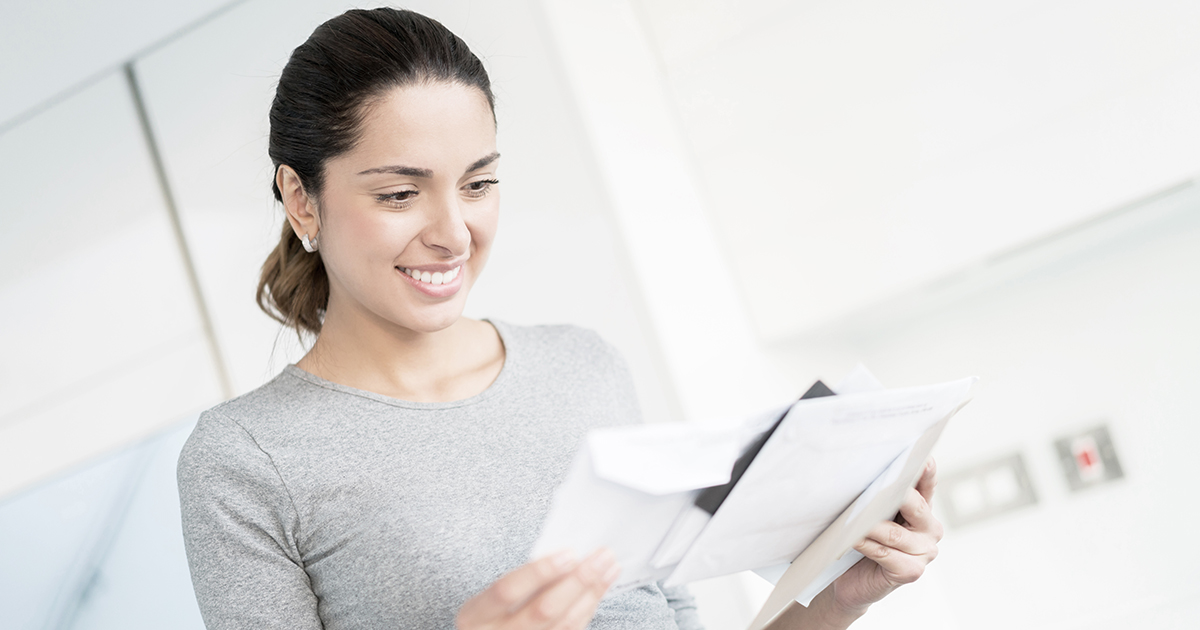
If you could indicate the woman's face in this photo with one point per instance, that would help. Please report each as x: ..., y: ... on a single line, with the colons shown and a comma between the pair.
x: 407, y: 217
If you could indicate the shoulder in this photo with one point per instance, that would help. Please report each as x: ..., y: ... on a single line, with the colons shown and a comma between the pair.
x: 228, y: 437
x: 566, y: 346
x: 218, y: 447
x: 554, y: 337
x: 232, y: 497
x: 573, y: 364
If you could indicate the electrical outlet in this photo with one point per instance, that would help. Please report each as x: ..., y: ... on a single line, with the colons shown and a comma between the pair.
x: 986, y: 490
x: 1088, y: 458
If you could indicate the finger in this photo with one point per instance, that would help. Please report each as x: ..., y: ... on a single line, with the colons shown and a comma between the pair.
x: 548, y: 607
x: 898, y: 567
x: 928, y: 480
x: 516, y: 587
x: 581, y: 613
x: 918, y: 515
x: 902, y: 539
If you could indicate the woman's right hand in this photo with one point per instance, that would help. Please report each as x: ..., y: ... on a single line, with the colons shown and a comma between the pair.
x: 553, y: 593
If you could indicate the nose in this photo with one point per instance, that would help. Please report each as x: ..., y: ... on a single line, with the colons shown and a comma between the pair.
x: 446, y: 231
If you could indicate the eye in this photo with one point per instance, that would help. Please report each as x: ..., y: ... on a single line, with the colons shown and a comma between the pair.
x: 399, y: 199
x: 480, y: 187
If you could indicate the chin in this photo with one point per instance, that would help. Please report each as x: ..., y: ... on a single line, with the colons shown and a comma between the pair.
x: 430, y: 322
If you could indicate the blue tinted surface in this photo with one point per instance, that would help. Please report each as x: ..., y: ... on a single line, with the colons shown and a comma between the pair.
x: 100, y: 547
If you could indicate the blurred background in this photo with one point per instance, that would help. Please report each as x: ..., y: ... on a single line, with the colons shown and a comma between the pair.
x: 743, y: 196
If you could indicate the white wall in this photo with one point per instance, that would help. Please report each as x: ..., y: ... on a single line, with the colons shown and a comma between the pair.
x: 102, y: 341
x: 1097, y: 326
x: 691, y: 298
x: 51, y: 49
x: 850, y: 151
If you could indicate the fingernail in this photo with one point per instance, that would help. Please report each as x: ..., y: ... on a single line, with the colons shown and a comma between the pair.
x: 563, y: 559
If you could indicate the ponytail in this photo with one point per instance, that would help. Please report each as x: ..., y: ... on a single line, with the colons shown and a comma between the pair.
x: 293, y: 288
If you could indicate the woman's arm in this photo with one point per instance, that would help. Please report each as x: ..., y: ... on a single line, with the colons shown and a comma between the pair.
x: 238, y: 529
x: 896, y: 553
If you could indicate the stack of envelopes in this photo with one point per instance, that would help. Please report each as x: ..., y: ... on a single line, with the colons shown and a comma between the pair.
x: 787, y: 493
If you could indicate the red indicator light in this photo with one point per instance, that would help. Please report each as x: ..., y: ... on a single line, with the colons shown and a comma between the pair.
x: 1087, y: 458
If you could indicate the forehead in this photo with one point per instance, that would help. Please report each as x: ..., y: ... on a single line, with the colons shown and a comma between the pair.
x: 429, y: 125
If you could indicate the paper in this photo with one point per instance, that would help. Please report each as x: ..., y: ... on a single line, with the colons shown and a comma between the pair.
x: 824, y: 454
x: 850, y: 557
x: 851, y: 526
x: 858, y: 381
x: 629, y: 485
x: 633, y: 489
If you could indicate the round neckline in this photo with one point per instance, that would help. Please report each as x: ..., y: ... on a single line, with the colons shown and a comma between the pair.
x: 497, y: 386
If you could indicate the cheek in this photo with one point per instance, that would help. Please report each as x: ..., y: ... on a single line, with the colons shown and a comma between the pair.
x: 482, y: 226
x: 368, y: 241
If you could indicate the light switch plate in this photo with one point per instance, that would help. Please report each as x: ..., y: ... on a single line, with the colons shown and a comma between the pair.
x: 986, y: 490
x: 1088, y: 458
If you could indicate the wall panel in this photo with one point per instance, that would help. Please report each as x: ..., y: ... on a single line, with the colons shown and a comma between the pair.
x: 101, y: 335
x: 51, y: 48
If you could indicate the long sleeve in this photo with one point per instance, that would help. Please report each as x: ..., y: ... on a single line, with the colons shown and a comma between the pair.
x: 681, y: 601
x: 239, y: 526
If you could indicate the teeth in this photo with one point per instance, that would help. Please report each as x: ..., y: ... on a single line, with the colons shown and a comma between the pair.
x: 433, y: 278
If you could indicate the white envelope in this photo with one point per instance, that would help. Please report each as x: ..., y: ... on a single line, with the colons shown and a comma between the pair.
x: 824, y: 454
x: 628, y: 485
x: 632, y: 489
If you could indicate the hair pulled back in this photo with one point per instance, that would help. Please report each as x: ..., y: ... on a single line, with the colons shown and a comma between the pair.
x: 324, y: 92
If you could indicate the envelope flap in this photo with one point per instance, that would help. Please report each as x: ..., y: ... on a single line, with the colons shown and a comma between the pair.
x: 666, y: 458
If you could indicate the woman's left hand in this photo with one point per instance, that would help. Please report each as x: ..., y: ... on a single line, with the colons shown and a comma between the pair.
x: 896, y: 552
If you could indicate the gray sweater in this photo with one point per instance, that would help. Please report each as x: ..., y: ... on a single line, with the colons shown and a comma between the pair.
x: 309, y: 504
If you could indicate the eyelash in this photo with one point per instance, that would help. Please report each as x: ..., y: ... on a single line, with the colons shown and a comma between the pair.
x: 395, y: 199
x: 403, y: 197
x: 479, y: 192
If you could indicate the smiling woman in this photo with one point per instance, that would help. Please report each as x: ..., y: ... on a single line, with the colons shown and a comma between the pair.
x: 396, y: 475
x: 349, y: 72
x: 405, y: 222
x: 417, y: 196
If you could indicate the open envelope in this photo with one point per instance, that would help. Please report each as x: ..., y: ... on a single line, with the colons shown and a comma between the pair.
x: 628, y: 485
x: 633, y: 489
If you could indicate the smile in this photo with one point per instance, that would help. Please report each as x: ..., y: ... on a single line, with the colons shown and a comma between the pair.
x: 434, y: 278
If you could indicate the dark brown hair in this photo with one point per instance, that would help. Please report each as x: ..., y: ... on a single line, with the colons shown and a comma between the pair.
x: 324, y: 92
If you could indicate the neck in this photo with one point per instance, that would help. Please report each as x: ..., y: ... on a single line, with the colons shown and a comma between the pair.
x: 363, y: 351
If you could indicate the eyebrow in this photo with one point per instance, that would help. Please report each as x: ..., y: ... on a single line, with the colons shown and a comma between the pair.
x: 483, y: 161
x: 412, y: 171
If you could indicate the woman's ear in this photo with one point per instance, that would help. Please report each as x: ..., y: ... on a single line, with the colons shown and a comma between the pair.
x: 301, y: 209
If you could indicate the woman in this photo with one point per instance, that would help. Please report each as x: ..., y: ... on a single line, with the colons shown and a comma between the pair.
x: 397, y: 474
